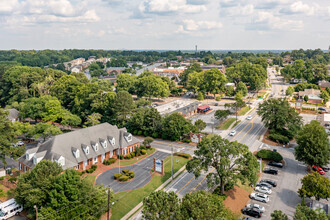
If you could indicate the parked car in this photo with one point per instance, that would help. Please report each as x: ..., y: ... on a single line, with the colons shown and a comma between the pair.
x: 321, y: 109
x: 264, y: 184
x: 251, y: 212
x: 20, y: 143
x: 259, y: 197
x: 275, y: 164
x: 256, y: 206
x: 263, y: 189
x: 326, y: 168
x: 249, y: 117
x: 232, y: 133
x: 271, y: 171
x: 271, y: 182
x: 318, y: 169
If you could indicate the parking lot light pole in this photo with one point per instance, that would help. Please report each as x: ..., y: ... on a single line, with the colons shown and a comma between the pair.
x: 260, y: 164
x: 172, y: 160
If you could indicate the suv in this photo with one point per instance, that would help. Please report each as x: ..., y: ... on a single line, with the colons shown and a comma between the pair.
x: 318, y: 169
x: 321, y: 109
x: 275, y: 164
x: 271, y: 182
x: 232, y: 133
x: 261, y: 183
x: 251, y: 212
x: 259, y: 197
x: 271, y: 171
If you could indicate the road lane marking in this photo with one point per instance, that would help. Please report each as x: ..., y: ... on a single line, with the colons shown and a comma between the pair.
x: 201, y: 181
x: 185, y: 185
x: 245, y: 126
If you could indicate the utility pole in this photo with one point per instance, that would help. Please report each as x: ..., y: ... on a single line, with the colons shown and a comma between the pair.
x: 172, y: 160
x: 36, y: 211
x: 260, y: 164
x: 109, y: 197
x: 119, y: 158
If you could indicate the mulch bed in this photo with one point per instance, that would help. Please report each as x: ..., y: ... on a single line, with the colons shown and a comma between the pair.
x: 236, y: 199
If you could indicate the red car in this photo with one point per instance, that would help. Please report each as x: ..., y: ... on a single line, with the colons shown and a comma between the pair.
x: 318, y: 169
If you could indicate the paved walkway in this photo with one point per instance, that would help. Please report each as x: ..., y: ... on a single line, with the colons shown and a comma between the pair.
x: 142, y: 174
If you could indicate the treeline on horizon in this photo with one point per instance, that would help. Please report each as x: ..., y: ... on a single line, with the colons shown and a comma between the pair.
x: 41, y: 58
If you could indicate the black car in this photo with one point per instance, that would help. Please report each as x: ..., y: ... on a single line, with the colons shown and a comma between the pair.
x: 275, y: 164
x: 325, y: 168
x: 251, y: 212
x: 271, y: 182
x: 264, y: 184
x: 271, y: 171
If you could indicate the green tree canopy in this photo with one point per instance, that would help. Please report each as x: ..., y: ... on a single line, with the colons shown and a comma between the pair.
x: 278, y: 215
x: 124, y: 106
x: 200, y: 125
x: 7, y: 134
x: 278, y: 115
x: 231, y: 161
x: 315, y: 185
x: 313, y: 145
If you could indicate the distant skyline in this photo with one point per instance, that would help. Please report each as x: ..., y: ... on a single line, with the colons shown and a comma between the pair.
x: 165, y: 24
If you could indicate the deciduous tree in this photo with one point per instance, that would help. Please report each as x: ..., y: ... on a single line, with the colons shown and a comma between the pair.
x: 315, y: 185
x: 231, y: 161
x: 200, y: 124
x: 313, y: 145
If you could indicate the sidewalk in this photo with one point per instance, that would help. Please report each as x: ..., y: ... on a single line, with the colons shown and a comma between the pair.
x: 135, y: 210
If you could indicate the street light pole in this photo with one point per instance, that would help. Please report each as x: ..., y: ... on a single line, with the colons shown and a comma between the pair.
x: 108, y: 214
x: 36, y: 208
x: 260, y: 164
x: 172, y: 160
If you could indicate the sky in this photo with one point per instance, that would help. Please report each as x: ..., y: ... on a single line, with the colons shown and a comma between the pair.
x: 164, y: 24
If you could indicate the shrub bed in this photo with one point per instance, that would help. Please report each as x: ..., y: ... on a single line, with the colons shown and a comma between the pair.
x: 109, y: 161
x: 124, y: 176
x: 143, y: 152
x: 269, y: 155
x: 184, y: 155
x: 92, y: 169
x: 278, y: 138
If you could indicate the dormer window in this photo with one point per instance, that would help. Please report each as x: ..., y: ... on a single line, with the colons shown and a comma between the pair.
x: 111, y: 140
x: 76, y: 152
x: 61, y: 161
x: 104, y: 144
x: 34, y: 160
x: 85, y: 149
x: 96, y: 146
x: 128, y: 137
x: 27, y: 156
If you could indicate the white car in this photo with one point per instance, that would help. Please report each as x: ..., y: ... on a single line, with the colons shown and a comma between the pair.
x: 249, y: 117
x: 256, y: 206
x: 232, y: 133
x: 20, y: 143
x: 263, y: 189
x: 259, y: 197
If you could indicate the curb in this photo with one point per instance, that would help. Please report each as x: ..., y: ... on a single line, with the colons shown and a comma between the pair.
x: 135, y: 210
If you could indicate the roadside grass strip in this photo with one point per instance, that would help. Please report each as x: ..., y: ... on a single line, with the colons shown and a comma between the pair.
x: 243, y: 110
x: 226, y: 124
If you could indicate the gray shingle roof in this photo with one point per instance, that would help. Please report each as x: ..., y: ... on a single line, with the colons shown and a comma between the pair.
x: 65, y: 144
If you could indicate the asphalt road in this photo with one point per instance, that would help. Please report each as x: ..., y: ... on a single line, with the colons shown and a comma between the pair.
x: 142, y: 174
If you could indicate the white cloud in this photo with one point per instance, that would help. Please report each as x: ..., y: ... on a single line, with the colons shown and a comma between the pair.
x: 191, y: 25
x: 237, y: 10
x: 299, y: 8
x: 61, y: 7
x: 7, y: 6
x: 170, y: 6
x: 265, y: 21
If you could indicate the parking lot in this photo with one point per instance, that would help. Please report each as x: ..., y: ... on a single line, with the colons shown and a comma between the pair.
x: 284, y: 196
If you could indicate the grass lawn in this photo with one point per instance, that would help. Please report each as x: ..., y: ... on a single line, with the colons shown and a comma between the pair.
x: 226, y: 124
x: 90, y: 179
x: 131, y: 161
x: 236, y: 123
x: 245, y: 186
x: 244, y: 110
x: 261, y: 95
x: 128, y: 200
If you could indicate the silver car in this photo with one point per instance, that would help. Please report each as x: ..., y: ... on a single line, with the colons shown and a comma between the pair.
x: 259, y: 197
x: 256, y: 206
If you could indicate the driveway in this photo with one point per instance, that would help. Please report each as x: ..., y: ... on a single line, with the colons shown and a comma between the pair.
x: 142, y: 174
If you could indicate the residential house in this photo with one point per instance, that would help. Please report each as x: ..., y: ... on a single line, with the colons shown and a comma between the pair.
x: 77, y: 69
x: 324, y: 84
x: 222, y: 68
x: 314, y: 95
x: 168, y: 72
x: 82, y: 148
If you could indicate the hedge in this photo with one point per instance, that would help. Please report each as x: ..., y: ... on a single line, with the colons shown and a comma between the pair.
x: 125, y: 171
x: 269, y: 155
x: 131, y: 174
x: 279, y: 138
x: 117, y: 175
x: 109, y: 161
x: 143, y: 152
x: 125, y: 175
x: 123, y: 178
x: 184, y: 155
x: 128, y: 156
x: 92, y: 169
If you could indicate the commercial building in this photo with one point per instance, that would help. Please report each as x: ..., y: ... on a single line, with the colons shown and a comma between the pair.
x: 82, y: 148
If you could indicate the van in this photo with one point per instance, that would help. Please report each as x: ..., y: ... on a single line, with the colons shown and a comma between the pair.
x: 9, y: 208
